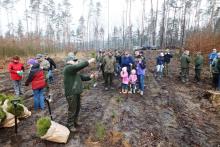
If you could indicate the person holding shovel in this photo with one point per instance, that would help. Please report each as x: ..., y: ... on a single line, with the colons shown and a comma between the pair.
x: 73, y: 87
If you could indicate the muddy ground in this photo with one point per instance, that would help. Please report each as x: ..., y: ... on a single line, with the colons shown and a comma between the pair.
x: 169, y: 114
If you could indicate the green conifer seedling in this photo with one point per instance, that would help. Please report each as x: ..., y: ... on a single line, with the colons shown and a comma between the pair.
x: 43, y: 124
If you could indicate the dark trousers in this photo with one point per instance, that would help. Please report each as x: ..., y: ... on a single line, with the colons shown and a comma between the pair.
x: 73, y: 109
x: 184, y: 74
x: 103, y: 73
x: 108, y: 79
x: 215, y: 79
x: 198, y: 74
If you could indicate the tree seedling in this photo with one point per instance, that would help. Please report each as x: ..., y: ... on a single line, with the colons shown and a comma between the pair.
x: 43, y: 124
x: 100, y: 131
x: 119, y: 99
x: 2, y: 115
x: 113, y: 114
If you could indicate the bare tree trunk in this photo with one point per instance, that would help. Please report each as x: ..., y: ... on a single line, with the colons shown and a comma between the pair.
x: 26, y: 17
x: 155, y: 26
x: 108, y: 24
x: 173, y: 25
x: 123, y: 30
x: 151, y: 23
x: 142, y: 23
x: 130, y: 28
x: 0, y: 19
x: 213, y: 3
x: 183, y: 25
x: 162, y: 26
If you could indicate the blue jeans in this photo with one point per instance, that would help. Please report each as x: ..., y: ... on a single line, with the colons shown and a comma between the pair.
x: 141, y: 82
x: 124, y: 86
x: 38, y: 99
x: 117, y: 68
x: 17, y: 87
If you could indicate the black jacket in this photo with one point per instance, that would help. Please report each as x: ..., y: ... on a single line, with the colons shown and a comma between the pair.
x: 52, y: 63
x: 167, y: 58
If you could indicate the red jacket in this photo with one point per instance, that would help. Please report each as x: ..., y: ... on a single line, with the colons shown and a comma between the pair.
x: 38, y: 81
x: 36, y: 77
x: 13, y: 68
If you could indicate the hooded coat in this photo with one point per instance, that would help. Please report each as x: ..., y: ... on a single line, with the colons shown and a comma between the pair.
x: 73, y: 79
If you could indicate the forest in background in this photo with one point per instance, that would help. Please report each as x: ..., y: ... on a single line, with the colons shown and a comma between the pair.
x: 47, y: 26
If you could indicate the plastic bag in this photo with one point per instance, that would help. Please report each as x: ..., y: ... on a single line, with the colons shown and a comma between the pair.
x: 57, y: 133
x: 26, y: 112
x: 9, y: 121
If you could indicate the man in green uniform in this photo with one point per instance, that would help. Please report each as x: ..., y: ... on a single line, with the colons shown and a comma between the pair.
x: 185, y: 61
x: 73, y: 87
x: 198, y: 66
x: 109, y: 62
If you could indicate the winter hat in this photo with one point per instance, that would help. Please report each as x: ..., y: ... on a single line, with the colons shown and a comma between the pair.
x: 15, y: 59
x: 31, y: 61
x: 214, y: 50
x: 39, y: 56
x: 133, y: 71
x: 71, y: 54
x: 186, y: 52
x: 70, y: 57
x: 124, y: 69
x: 167, y: 50
x: 161, y: 54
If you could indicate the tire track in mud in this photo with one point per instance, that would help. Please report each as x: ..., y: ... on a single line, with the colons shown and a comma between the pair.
x: 194, y: 128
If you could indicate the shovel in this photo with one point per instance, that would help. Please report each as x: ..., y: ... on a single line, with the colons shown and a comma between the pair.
x: 15, y: 104
x: 48, y: 100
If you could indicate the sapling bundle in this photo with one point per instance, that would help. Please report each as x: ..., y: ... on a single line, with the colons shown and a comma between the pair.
x: 43, y: 124
x: 19, y: 109
x: 2, y: 115
x: 52, y: 131
x: 3, y: 97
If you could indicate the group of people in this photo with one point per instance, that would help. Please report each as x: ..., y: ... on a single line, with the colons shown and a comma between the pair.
x: 39, y: 75
x: 130, y: 69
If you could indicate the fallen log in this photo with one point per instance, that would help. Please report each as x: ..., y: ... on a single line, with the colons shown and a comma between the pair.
x: 214, y: 97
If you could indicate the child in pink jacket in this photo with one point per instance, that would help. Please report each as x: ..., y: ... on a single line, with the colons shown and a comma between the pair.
x: 132, y: 81
x: 125, y: 80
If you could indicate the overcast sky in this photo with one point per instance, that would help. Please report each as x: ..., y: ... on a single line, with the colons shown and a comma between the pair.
x: 116, y: 8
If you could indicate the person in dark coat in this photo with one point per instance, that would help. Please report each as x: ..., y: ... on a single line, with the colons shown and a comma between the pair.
x: 167, y: 58
x: 73, y: 88
x: 109, y: 62
x: 37, y: 79
x: 160, y: 65
x: 198, y: 66
x: 118, y: 63
x: 50, y: 69
x: 184, y: 63
x: 127, y: 61
x: 216, y: 72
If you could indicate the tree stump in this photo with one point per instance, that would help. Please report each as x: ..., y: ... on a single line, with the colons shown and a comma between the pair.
x: 214, y: 97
